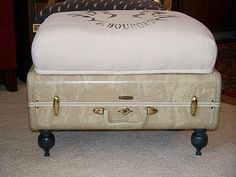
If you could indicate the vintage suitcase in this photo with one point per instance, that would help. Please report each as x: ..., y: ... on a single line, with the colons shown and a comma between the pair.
x: 111, y: 102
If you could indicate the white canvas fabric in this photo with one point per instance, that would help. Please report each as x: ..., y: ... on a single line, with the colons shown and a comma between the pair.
x: 123, y: 42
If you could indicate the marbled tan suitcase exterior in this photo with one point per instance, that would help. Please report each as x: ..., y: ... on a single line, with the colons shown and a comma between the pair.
x: 108, y: 102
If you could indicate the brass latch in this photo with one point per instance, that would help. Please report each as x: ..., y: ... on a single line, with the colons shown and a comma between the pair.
x: 56, y: 105
x: 151, y: 110
x: 194, y: 105
x: 99, y: 110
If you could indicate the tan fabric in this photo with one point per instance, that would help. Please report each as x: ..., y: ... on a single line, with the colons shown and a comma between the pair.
x: 170, y: 94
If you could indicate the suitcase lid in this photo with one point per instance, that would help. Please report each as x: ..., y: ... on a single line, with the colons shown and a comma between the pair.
x: 167, y: 88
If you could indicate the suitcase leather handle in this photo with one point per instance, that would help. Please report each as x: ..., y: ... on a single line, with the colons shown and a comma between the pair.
x: 136, y: 125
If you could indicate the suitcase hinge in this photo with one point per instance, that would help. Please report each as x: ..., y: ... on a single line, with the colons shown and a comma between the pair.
x: 56, y: 105
x: 194, y: 105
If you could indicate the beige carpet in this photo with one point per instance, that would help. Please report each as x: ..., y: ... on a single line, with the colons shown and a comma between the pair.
x: 111, y: 154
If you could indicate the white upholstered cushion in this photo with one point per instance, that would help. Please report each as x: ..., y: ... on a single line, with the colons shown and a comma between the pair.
x: 123, y: 42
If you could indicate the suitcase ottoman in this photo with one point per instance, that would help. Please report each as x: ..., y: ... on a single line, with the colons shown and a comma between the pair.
x: 123, y: 70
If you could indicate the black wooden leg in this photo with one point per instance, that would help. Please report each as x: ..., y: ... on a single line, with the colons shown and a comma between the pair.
x: 46, y: 141
x: 199, y: 140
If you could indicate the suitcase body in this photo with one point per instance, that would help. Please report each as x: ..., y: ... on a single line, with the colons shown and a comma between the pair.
x: 108, y: 102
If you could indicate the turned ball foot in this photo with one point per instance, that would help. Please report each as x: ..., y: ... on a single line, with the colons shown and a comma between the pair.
x: 199, y: 140
x: 46, y: 141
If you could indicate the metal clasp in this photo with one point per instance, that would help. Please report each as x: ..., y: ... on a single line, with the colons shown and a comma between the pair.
x: 125, y: 111
x: 194, y: 105
x: 99, y: 110
x: 151, y: 110
x: 56, y: 105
